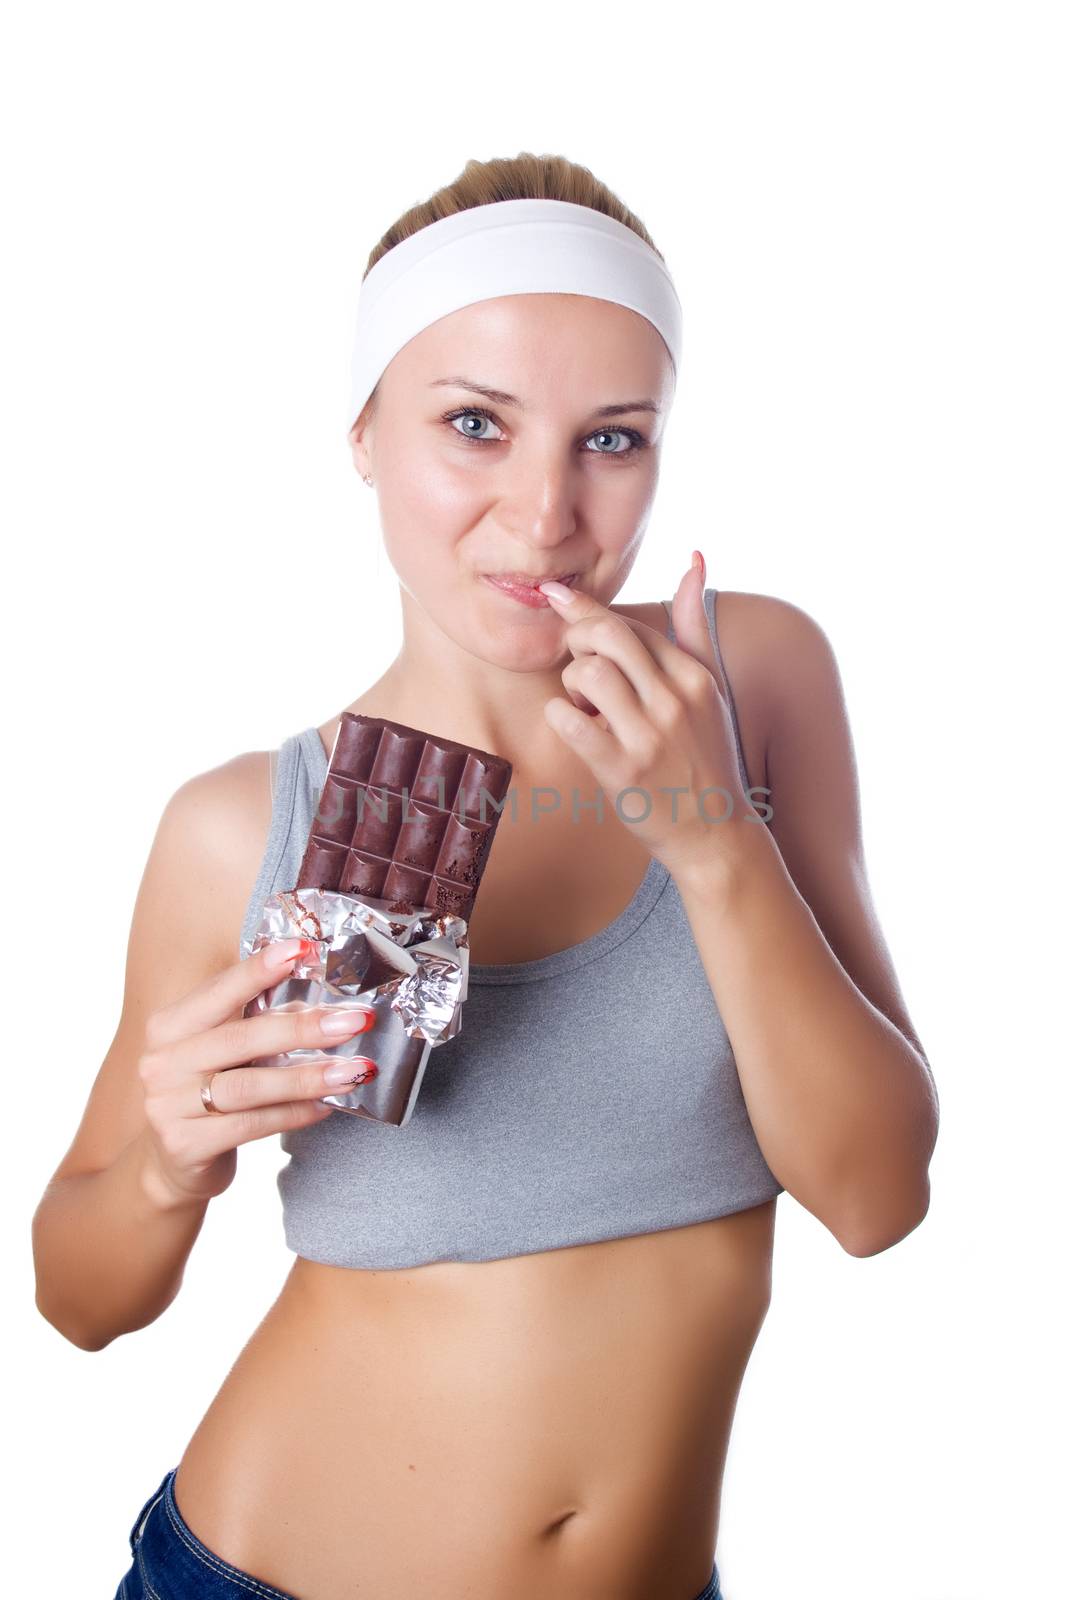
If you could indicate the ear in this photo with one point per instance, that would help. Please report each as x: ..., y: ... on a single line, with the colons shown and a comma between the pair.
x: 360, y: 438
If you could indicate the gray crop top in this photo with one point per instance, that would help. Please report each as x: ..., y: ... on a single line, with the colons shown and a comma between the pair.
x: 590, y: 1094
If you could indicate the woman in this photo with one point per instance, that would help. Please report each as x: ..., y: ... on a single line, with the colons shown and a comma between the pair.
x: 506, y: 1358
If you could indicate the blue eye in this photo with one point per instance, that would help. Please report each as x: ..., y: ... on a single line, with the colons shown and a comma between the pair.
x: 610, y: 433
x: 454, y: 416
x: 637, y: 442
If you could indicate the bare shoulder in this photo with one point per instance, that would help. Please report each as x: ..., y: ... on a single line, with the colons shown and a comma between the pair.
x: 227, y: 797
x: 763, y: 627
x: 782, y: 665
x: 217, y: 822
x: 768, y: 645
x: 202, y: 865
x: 185, y: 928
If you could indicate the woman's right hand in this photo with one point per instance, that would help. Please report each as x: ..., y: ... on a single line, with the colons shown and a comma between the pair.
x: 192, y: 1150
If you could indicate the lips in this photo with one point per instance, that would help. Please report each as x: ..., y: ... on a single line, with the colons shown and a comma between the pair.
x: 525, y: 580
x: 524, y: 589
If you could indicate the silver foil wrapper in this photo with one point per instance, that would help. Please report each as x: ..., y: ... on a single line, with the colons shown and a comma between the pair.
x: 410, y: 967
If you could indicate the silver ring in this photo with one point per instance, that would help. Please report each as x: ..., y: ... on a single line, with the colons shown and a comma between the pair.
x: 207, y: 1095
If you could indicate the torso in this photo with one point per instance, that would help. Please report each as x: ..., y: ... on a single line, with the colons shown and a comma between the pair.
x: 554, y: 1423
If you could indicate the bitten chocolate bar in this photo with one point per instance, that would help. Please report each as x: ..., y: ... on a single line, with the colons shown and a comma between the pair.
x: 404, y: 817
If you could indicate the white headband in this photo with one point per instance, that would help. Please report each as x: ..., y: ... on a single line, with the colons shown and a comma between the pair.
x: 508, y: 247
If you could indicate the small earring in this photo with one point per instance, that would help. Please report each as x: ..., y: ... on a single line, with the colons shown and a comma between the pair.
x: 368, y: 481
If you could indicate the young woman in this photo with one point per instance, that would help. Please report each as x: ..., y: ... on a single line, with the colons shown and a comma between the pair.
x: 506, y: 1358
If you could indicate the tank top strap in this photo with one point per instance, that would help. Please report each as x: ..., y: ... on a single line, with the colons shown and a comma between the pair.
x: 286, y: 772
x: 709, y: 610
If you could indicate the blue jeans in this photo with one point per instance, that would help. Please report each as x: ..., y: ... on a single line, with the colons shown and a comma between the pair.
x: 169, y: 1563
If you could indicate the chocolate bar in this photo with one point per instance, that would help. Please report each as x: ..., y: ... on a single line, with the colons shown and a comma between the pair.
x: 404, y: 817
x: 405, y: 823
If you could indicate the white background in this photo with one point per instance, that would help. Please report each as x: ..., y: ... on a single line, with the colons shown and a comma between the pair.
x: 868, y: 210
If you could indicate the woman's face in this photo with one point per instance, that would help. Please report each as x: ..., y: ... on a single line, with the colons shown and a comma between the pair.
x: 558, y: 480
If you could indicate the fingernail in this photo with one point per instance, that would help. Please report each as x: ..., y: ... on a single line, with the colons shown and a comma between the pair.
x: 286, y: 950
x: 556, y: 591
x: 346, y: 1019
x: 698, y: 563
x: 359, y: 1070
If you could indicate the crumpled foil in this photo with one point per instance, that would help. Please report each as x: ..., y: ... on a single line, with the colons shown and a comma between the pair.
x: 409, y: 966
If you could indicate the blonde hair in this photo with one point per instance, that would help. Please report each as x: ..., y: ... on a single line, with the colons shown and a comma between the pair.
x: 522, y: 177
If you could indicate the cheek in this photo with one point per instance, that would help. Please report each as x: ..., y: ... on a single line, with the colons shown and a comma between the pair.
x: 434, y: 484
x: 424, y: 546
x: 427, y: 507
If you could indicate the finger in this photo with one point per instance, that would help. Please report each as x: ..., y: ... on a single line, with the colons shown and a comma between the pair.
x: 226, y: 992
x: 644, y: 656
x: 583, y: 734
x: 602, y: 633
x: 274, y: 1032
x: 243, y: 1126
x: 691, y: 626
x: 227, y: 1131
x: 685, y: 674
x: 240, y: 1089
x: 605, y: 685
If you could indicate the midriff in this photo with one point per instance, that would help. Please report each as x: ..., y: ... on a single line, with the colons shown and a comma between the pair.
x: 553, y: 1424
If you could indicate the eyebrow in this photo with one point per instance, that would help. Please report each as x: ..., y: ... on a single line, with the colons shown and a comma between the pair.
x: 500, y: 397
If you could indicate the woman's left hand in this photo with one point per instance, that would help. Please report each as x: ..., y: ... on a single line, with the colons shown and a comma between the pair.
x: 668, y: 728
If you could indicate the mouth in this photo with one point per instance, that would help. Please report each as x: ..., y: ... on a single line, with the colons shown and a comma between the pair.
x: 526, y: 580
x: 523, y: 587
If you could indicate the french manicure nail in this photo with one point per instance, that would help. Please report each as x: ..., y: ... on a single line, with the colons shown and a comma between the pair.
x: 556, y: 591
x: 359, y: 1070
x: 281, y: 953
x: 345, y: 1019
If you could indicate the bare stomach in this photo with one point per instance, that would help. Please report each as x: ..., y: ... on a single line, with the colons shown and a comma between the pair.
x: 550, y: 1424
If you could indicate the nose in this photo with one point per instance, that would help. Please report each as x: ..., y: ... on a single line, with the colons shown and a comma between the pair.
x: 539, y: 503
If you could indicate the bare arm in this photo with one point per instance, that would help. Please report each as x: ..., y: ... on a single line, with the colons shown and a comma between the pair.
x: 117, y: 1222
x: 835, y: 1079
x: 110, y: 1248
